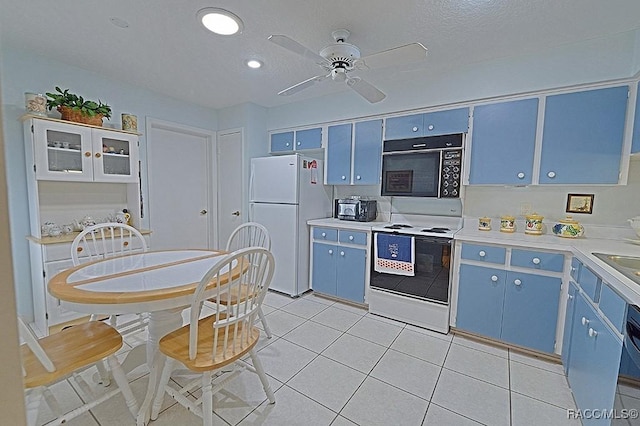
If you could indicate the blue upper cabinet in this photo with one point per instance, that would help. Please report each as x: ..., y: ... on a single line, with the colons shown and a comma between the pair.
x: 583, y: 136
x: 367, y: 152
x: 296, y: 140
x: 503, y: 143
x: 282, y: 142
x: 309, y: 139
x: 338, y: 154
x: 635, y: 147
x: 427, y: 124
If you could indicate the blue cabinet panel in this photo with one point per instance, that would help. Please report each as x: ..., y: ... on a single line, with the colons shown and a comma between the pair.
x: 575, y: 268
x: 446, y: 122
x: 531, y: 310
x: 367, y: 153
x: 328, y: 234
x: 537, y: 260
x: 309, y: 138
x: 582, y: 129
x: 339, y: 154
x: 350, y: 273
x: 323, y: 278
x: 589, y: 283
x: 568, y: 326
x: 480, y: 300
x: 282, y: 142
x: 352, y: 237
x: 594, y: 362
x: 483, y: 253
x: 635, y: 147
x: 408, y: 126
x: 503, y: 143
x: 613, y: 307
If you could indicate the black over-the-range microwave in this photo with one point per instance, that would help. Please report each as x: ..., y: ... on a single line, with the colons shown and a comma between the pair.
x: 423, y: 167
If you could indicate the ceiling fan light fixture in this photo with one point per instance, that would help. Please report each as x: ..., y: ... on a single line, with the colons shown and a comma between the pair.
x: 254, y: 63
x: 220, y: 21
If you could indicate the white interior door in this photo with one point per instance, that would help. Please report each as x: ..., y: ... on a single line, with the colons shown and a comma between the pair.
x: 179, y: 159
x: 230, y: 184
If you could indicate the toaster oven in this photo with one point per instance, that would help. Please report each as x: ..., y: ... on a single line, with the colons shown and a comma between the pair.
x: 356, y: 209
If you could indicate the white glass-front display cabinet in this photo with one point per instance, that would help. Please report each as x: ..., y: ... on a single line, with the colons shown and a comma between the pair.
x: 70, y: 152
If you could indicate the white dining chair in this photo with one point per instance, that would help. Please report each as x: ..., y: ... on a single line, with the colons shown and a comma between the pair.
x: 106, y: 240
x: 214, y: 346
x: 249, y: 234
x: 63, y: 355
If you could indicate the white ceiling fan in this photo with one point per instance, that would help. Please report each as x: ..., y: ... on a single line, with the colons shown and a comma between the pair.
x: 340, y: 58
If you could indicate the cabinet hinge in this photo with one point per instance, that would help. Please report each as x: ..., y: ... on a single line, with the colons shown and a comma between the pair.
x: 32, y: 128
x: 44, y: 274
x: 555, y: 346
x: 34, y: 168
x: 46, y: 315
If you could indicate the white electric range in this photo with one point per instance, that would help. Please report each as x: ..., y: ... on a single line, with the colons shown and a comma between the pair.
x: 420, y: 296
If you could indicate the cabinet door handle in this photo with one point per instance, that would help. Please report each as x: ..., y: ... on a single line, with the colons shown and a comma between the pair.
x: 570, y: 296
x: 79, y: 249
x: 299, y: 143
x: 358, y: 177
x: 494, y: 278
x: 482, y: 253
x: 430, y: 127
x: 126, y: 243
x: 324, y: 234
x: 350, y: 237
x: 98, y: 155
x: 287, y: 144
x: 517, y: 282
x: 330, y: 251
x: 87, y: 154
x: 341, y: 253
x: 551, y: 174
x: 520, y: 175
x: 585, y: 321
x: 536, y: 261
x: 592, y: 332
x: 343, y: 177
x: 414, y: 129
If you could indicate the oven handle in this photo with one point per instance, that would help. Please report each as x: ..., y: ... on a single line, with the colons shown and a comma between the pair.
x: 435, y: 240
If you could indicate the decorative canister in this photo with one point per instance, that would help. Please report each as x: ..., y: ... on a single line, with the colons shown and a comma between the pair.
x: 507, y: 223
x: 568, y: 228
x: 35, y: 103
x: 129, y: 122
x: 533, y: 224
x: 484, y: 223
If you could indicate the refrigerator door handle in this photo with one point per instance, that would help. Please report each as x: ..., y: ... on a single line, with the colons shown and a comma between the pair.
x: 251, y: 182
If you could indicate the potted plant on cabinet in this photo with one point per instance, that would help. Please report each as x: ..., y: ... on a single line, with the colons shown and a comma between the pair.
x: 75, y: 108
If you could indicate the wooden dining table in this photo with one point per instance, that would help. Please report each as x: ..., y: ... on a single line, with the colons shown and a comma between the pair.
x: 160, y: 283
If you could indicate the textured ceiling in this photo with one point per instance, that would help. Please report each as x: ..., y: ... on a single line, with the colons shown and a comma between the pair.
x: 166, y: 51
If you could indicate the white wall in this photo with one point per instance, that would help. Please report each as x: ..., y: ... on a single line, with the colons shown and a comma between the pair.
x: 21, y: 72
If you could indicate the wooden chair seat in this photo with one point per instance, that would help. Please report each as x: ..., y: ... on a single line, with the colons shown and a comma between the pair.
x: 234, y: 296
x: 176, y: 345
x: 67, y: 355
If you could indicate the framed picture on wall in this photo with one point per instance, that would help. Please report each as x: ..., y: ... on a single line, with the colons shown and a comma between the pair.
x: 580, y: 203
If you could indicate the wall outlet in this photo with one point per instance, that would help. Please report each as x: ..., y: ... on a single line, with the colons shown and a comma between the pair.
x: 525, y: 209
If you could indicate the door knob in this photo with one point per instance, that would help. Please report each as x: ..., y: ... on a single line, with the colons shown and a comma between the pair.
x: 236, y: 213
x: 203, y: 212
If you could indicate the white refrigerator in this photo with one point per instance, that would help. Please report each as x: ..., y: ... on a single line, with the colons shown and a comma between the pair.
x: 285, y: 192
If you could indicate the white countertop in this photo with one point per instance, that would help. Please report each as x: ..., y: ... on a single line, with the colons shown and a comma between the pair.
x: 582, y: 247
x: 344, y: 224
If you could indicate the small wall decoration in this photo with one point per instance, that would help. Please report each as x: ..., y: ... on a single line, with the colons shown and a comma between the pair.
x: 580, y: 203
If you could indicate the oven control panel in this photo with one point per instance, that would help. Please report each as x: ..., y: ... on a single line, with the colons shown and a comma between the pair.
x: 450, y: 174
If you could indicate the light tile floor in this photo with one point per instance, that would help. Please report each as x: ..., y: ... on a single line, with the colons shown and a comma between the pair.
x: 334, y: 364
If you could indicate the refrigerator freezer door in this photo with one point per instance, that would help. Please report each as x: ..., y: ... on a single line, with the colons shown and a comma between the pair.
x: 281, y: 220
x: 275, y: 179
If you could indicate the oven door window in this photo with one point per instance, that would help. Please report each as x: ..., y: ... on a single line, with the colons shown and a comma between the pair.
x: 431, y: 280
x: 414, y: 174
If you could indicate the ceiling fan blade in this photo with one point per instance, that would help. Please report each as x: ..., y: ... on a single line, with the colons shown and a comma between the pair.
x: 366, y: 89
x: 296, y: 47
x: 413, y: 52
x: 303, y: 85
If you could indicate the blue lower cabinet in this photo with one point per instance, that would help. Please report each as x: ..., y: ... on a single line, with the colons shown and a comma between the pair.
x: 350, y: 273
x: 480, y: 300
x: 511, y: 306
x: 531, y: 310
x: 594, y: 362
x: 568, y: 326
x: 323, y: 279
x: 339, y: 270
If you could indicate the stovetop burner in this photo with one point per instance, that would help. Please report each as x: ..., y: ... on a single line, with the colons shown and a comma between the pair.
x: 398, y: 226
x: 437, y: 230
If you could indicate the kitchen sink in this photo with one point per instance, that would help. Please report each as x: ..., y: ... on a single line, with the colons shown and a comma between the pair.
x: 628, y: 266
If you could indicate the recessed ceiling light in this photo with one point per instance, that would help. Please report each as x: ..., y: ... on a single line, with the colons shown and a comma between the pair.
x: 254, y: 63
x: 120, y: 23
x: 220, y: 21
